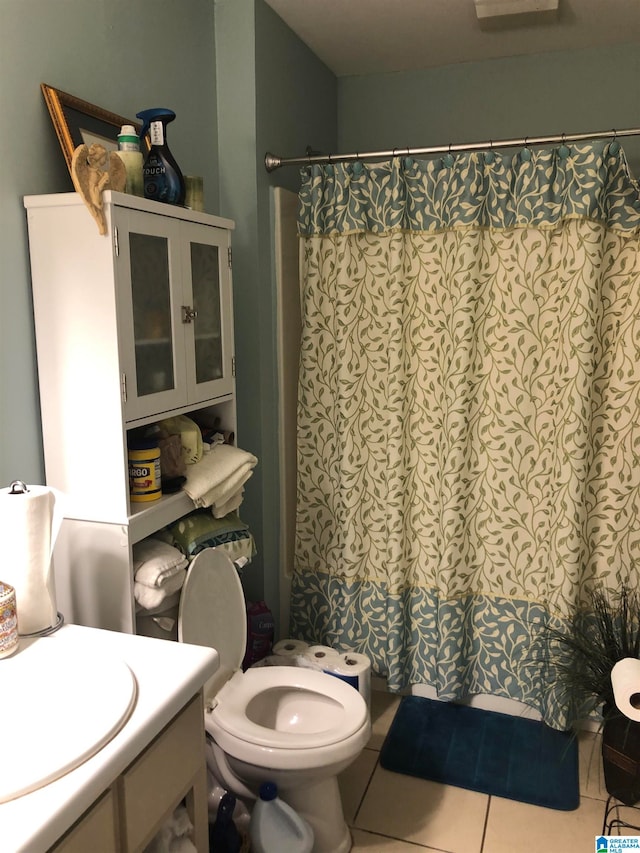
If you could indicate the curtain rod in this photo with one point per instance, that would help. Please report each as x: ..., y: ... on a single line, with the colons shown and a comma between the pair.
x: 273, y: 162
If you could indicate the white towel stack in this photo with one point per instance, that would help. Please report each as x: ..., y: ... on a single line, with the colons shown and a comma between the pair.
x: 218, y: 479
x: 159, y: 570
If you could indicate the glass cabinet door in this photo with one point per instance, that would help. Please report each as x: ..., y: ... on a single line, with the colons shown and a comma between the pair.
x: 205, y: 281
x: 209, y: 344
x: 152, y: 322
x: 152, y: 350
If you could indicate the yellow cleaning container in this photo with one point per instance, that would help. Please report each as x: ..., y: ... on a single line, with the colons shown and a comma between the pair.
x: 145, y: 483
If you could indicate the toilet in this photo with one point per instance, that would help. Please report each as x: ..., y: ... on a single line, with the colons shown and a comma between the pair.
x: 293, y: 726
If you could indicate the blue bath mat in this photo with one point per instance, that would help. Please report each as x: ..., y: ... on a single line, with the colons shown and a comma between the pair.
x: 484, y: 751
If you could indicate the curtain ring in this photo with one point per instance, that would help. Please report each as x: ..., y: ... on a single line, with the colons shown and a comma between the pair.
x: 563, y: 151
x: 614, y: 147
x: 448, y: 160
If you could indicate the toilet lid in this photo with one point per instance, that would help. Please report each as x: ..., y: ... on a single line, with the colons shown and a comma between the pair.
x: 212, y: 612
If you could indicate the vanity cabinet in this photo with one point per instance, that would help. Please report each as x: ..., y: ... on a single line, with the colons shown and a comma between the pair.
x: 132, y: 326
x: 128, y: 815
x: 97, y: 829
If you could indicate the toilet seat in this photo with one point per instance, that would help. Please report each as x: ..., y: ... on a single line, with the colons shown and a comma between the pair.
x: 335, y: 709
x: 212, y: 613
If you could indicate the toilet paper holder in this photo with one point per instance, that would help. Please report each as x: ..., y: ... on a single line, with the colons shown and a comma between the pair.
x: 45, y: 631
x: 18, y: 487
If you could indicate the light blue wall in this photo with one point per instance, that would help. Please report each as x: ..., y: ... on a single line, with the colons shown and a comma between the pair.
x: 273, y: 93
x: 550, y: 93
x: 292, y: 110
x: 123, y: 56
x: 296, y: 98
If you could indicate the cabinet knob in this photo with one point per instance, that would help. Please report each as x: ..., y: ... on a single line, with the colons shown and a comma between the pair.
x: 188, y: 314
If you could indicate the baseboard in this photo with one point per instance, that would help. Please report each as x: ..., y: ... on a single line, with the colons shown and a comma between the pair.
x: 500, y: 704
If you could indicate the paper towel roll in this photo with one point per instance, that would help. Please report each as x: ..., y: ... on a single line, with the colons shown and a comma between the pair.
x: 625, y: 680
x: 289, y: 648
x: 355, y: 669
x: 29, y: 525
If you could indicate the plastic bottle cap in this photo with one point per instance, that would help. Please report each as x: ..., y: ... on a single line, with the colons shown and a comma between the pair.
x: 128, y: 138
x: 268, y: 791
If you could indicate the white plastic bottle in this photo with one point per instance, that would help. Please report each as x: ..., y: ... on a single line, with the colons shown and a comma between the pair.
x: 275, y: 827
x: 130, y: 154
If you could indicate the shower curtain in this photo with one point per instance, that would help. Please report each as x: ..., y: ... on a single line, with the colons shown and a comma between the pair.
x: 469, y: 409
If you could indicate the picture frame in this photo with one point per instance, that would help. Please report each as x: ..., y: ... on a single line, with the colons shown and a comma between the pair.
x: 76, y: 122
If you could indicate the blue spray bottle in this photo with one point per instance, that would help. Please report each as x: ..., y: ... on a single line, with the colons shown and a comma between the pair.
x: 162, y: 177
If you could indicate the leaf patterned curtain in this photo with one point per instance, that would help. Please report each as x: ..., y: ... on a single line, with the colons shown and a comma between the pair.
x: 469, y: 409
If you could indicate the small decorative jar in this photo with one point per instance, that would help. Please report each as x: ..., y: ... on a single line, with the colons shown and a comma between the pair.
x: 8, y: 620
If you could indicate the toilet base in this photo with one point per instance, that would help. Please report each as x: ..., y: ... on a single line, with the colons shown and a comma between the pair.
x: 320, y: 805
x: 317, y: 801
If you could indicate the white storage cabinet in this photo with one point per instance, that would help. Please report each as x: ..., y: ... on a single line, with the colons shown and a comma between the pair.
x: 131, y: 327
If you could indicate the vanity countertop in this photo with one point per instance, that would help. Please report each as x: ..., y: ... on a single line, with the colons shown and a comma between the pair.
x: 167, y: 676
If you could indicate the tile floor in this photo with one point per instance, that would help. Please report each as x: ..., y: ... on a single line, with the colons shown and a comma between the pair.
x: 393, y: 813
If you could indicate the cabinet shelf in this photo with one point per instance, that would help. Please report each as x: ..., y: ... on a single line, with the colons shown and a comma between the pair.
x: 152, y: 342
x: 147, y: 518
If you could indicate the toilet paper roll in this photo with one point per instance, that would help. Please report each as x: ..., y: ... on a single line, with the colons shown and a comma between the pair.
x: 625, y: 680
x: 355, y: 669
x: 320, y: 656
x: 290, y: 648
x: 30, y: 518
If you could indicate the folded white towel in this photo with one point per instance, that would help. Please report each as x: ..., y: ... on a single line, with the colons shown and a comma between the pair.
x: 171, y: 601
x: 150, y: 597
x: 154, y: 562
x: 219, y: 475
x: 231, y: 504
